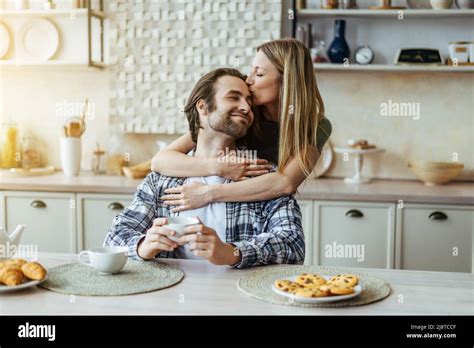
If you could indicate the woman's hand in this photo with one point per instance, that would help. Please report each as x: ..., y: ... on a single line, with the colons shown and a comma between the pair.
x: 189, y: 196
x: 238, y: 168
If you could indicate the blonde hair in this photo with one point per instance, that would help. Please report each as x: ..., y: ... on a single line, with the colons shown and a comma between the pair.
x: 300, y: 103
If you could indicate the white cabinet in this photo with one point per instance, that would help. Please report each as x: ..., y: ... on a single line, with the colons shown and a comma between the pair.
x: 50, y: 219
x: 354, y: 234
x: 307, y: 221
x: 435, y: 238
x: 95, y: 214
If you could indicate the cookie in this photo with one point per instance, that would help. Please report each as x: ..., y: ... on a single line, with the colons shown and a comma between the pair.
x: 310, y: 280
x: 341, y: 290
x: 345, y: 280
x: 287, y: 285
x: 310, y: 292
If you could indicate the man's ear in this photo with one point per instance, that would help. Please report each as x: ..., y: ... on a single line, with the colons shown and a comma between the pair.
x: 201, y: 107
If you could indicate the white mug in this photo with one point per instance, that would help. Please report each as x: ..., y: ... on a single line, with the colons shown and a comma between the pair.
x: 107, y: 260
x: 70, y: 155
x: 178, y: 224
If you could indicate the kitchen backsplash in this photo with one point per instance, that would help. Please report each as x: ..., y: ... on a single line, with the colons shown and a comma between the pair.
x: 442, y: 130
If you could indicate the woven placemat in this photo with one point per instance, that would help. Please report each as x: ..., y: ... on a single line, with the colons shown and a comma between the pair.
x: 136, y: 277
x: 258, y: 285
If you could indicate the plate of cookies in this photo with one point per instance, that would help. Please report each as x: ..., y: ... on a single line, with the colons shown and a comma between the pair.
x: 16, y: 274
x: 315, y: 288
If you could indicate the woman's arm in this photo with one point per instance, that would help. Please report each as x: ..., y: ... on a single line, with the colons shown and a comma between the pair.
x: 264, y: 187
x: 173, y: 161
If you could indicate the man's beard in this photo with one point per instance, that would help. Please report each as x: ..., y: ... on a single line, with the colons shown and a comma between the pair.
x: 221, y: 121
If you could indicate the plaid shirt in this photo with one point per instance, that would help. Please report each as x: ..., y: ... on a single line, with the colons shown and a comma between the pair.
x: 265, y: 232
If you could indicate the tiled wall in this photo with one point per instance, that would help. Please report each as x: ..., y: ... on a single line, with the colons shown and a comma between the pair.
x: 163, y: 47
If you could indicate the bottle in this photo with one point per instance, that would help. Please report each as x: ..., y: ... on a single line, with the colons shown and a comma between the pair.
x: 339, y: 50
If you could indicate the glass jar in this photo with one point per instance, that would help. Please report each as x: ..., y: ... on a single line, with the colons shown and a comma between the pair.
x: 116, y: 158
x: 318, y: 52
x: 30, y: 154
x: 10, y: 156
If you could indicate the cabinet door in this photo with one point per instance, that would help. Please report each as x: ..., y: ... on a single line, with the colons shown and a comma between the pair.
x: 96, y: 213
x: 307, y: 220
x: 354, y: 234
x: 2, y: 210
x: 435, y: 238
x: 49, y: 217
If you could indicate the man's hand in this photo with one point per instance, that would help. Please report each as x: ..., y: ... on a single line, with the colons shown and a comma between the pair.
x: 156, y: 240
x: 204, y: 242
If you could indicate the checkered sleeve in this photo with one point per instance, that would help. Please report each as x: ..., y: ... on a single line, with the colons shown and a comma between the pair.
x: 282, y: 238
x: 130, y: 226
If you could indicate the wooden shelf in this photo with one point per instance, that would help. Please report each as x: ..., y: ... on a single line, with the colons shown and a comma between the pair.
x: 407, y: 13
x: 388, y: 68
x: 76, y: 11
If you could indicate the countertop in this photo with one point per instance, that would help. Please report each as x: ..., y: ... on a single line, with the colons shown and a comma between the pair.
x: 320, y: 189
x: 209, y: 289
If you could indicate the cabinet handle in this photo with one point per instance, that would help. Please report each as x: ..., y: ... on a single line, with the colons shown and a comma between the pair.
x: 354, y: 213
x: 115, y: 206
x: 38, y: 204
x: 438, y: 215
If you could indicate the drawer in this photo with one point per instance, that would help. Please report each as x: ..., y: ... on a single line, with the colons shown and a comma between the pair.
x: 50, y: 219
x: 96, y: 213
x: 435, y: 238
x: 354, y: 234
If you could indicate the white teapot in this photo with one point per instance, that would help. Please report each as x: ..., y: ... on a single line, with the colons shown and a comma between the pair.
x: 12, y: 239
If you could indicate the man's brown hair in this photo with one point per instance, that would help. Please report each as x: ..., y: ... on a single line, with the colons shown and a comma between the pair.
x: 204, y: 89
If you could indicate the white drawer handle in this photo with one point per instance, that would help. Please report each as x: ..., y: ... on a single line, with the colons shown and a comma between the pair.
x: 38, y: 204
x: 354, y: 213
x: 438, y: 215
x: 115, y: 206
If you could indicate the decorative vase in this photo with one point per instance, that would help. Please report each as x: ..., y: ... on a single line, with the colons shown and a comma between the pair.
x: 464, y: 4
x: 339, y: 50
x: 441, y: 4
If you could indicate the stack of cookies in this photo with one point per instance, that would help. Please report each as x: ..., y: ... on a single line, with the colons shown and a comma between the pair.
x: 15, y: 271
x: 314, y: 285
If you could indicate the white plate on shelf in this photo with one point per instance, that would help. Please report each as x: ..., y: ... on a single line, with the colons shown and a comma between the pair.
x: 4, y: 40
x: 334, y: 298
x: 24, y: 285
x: 39, y: 39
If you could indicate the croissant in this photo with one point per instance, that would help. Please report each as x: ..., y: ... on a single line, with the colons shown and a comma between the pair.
x: 11, y: 276
x: 16, y: 262
x: 34, y: 271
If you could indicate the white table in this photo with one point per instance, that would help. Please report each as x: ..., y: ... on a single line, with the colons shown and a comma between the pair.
x: 209, y: 289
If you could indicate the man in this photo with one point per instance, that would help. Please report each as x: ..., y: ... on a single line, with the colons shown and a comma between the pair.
x: 239, y: 234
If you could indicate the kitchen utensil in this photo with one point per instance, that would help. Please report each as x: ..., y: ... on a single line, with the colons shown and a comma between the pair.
x: 459, y: 51
x: 39, y: 39
x: 20, y: 172
x: 74, y: 129
x: 324, y: 163
x: 11, y: 240
x: 83, y: 117
x: 441, y: 4
x: 357, y: 291
x: 138, y: 171
x: 407, y: 56
x: 464, y: 4
x: 107, y: 260
x: 70, y: 149
x: 436, y: 173
x: 418, y: 4
x: 178, y: 224
x: 358, y: 162
x: 4, y: 40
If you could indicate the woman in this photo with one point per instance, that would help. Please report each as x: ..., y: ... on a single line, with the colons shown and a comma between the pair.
x: 290, y: 130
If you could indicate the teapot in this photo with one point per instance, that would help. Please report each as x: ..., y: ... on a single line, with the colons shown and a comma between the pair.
x: 12, y: 239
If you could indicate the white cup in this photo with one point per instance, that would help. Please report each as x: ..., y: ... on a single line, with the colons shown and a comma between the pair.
x: 178, y: 224
x: 107, y: 260
x: 70, y: 155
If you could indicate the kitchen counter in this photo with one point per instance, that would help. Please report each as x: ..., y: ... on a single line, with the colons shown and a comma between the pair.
x: 209, y: 289
x: 321, y: 189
